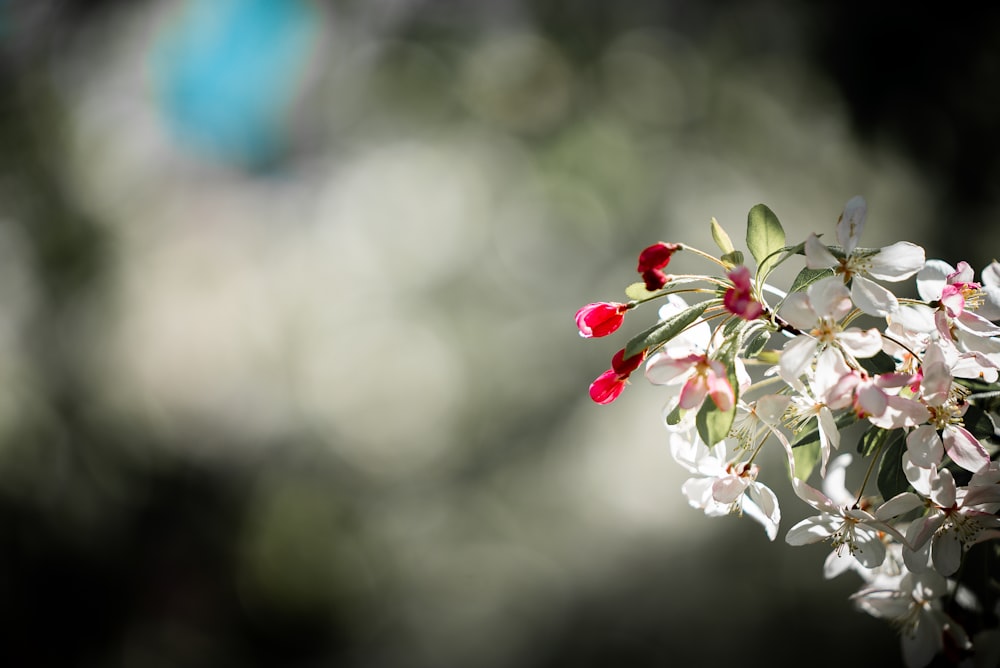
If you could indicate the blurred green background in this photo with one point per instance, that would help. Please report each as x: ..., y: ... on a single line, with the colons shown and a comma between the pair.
x: 288, y: 369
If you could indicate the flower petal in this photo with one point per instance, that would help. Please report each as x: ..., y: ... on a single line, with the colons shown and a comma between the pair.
x: 897, y: 261
x: 851, y: 223
x: 872, y: 298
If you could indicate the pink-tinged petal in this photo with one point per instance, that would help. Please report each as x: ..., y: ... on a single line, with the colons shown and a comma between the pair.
x: 818, y: 256
x: 981, y: 495
x: 937, y: 379
x: 662, y: 369
x: 924, y: 446
x: 694, y: 391
x: 901, y: 412
x: 897, y: 261
x: 872, y: 400
x: 976, y: 324
x: 720, y: 391
x: 872, y: 298
x: 851, y: 223
x: 796, y: 357
x: 953, y: 300
x: 812, y: 530
x: 607, y: 387
x: 963, y: 274
x: 830, y: 298
x: 861, y: 343
x: 964, y: 449
x: 893, y: 380
x: 932, y: 279
x: 771, y: 407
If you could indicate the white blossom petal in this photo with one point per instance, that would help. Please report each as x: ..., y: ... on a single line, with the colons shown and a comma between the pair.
x: 851, y: 223
x: 897, y: 261
x: 860, y: 343
x: 964, y: 449
x: 818, y: 256
x: 932, y: 279
x: 829, y: 298
x: 872, y: 298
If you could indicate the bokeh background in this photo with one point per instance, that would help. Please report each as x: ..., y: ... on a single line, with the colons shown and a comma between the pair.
x: 288, y: 369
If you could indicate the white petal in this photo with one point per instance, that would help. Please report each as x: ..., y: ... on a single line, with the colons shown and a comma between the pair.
x: 797, y: 310
x: 976, y: 324
x: 932, y: 279
x: 926, y: 641
x: 903, y: 502
x: 991, y: 274
x: 990, y: 308
x: 915, y: 317
x: 817, y: 254
x: 851, y: 223
x: 872, y: 298
x: 830, y: 298
x: 860, y: 343
x: 796, y: 357
x: 946, y: 552
x: 662, y: 369
x: 811, y: 530
x: 924, y: 446
x: 869, y: 549
x: 897, y: 261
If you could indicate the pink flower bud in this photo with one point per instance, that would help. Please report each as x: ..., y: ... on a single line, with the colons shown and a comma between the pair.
x: 610, y: 384
x: 738, y: 299
x: 600, y: 318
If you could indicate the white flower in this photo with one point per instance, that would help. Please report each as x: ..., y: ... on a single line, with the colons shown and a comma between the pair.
x: 892, y: 263
x: 722, y: 484
x: 914, y: 605
x: 817, y: 313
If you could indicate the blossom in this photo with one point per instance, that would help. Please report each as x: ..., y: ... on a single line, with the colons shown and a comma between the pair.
x: 722, y: 485
x: 702, y: 376
x: 957, y: 296
x: 848, y: 525
x: 817, y: 313
x: 913, y: 604
x: 652, y: 260
x: 891, y: 263
x: 738, y: 299
x: 945, y: 432
x: 610, y: 384
x: 955, y: 521
x: 600, y: 318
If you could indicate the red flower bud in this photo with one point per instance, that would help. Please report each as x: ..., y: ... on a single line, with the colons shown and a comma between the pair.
x: 656, y: 256
x: 610, y: 384
x: 600, y: 318
x: 738, y: 299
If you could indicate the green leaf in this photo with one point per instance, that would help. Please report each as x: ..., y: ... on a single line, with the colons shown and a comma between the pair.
x: 714, y: 425
x: 764, y: 236
x: 880, y: 363
x: 891, y: 478
x: 662, y: 332
x: 756, y: 343
x: 637, y: 291
x: 979, y: 423
x: 674, y: 417
x: 735, y: 258
x: 807, y: 277
x: 870, y: 441
x: 806, y: 459
x: 722, y: 239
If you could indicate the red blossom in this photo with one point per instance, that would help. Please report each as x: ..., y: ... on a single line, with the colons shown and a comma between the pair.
x: 738, y: 299
x: 652, y: 261
x: 612, y: 382
x: 600, y: 318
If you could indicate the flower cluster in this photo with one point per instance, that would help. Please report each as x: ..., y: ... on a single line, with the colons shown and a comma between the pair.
x: 743, y: 364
